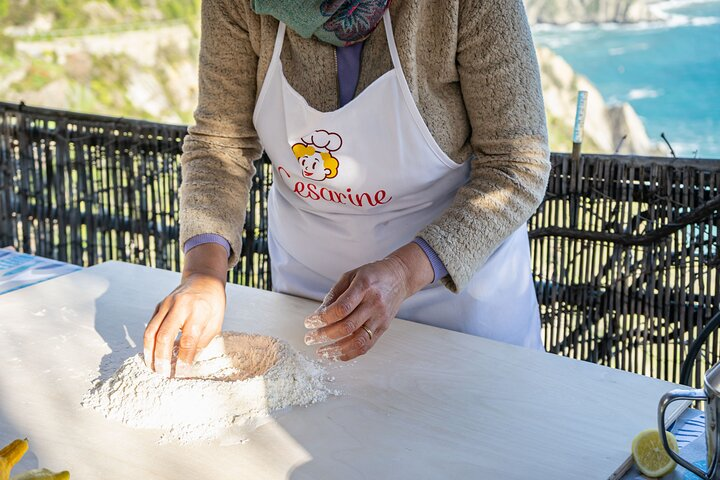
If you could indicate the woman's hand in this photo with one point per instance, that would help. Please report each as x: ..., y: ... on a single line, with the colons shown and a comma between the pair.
x: 196, y: 308
x: 367, y: 297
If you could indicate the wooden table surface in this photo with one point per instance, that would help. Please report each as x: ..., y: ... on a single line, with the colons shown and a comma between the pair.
x: 424, y: 403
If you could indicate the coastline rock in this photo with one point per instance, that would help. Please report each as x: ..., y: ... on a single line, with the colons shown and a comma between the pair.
x: 151, y: 73
x: 563, y: 12
x: 605, y: 125
x: 624, y: 119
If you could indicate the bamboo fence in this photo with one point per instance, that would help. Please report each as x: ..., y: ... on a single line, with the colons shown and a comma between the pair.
x: 624, y: 248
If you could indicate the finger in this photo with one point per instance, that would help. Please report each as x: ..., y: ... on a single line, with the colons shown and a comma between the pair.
x: 194, y: 337
x: 184, y: 365
x: 207, y: 336
x: 338, y: 288
x: 165, y: 340
x: 188, y: 344
x: 348, y: 348
x: 314, y: 320
x: 378, y: 327
x: 341, y: 329
x: 357, y: 344
x: 341, y: 307
x: 151, y: 332
x: 205, y: 339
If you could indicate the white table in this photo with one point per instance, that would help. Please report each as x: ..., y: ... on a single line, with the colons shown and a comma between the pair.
x: 424, y: 403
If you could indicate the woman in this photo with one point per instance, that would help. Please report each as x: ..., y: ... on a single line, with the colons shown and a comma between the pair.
x: 409, y: 148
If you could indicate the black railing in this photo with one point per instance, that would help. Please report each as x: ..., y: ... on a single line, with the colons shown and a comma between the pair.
x: 625, y: 249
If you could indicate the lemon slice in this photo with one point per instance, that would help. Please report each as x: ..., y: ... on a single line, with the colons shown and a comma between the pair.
x: 650, y: 456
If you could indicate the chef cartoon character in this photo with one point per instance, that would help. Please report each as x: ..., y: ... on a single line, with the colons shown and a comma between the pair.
x: 315, y: 155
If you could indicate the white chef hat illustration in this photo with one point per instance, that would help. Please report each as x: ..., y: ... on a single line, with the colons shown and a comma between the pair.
x: 323, y: 140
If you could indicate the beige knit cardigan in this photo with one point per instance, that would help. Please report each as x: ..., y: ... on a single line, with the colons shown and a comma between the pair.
x: 472, y: 70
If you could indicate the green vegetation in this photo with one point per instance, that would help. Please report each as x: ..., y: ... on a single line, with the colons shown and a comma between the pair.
x: 70, y: 14
x: 104, y: 83
x: 7, y: 45
x: 38, y: 75
x: 97, y: 83
x: 560, y: 136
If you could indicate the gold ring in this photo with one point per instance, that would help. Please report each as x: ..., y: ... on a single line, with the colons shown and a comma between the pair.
x: 369, y: 332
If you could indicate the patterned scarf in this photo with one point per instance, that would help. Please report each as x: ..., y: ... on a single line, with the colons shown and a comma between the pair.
x: 338, y: 22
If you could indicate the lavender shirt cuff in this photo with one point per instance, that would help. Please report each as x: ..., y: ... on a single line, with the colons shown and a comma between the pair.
x: 206, y: 238
x: 437, y: 265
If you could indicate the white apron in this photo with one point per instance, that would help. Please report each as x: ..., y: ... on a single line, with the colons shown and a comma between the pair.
x: 352, y: 185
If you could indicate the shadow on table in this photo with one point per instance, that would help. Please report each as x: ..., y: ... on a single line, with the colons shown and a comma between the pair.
x: 121, y: 324
x: 8, y: 433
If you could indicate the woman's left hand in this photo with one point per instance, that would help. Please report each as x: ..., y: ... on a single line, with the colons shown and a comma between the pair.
x: 368, y: 297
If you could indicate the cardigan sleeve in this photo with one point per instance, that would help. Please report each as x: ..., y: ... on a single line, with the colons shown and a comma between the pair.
x: 500, y: 83
x: 219, y: 149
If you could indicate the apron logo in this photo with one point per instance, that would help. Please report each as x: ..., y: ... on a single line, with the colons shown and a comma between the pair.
x: 315, y: 154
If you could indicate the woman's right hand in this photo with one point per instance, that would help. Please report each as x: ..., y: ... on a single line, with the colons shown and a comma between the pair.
x: 196, y: 308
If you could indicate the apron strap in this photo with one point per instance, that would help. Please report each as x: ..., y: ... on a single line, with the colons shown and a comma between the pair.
x: 393, y: 46
x: 280, y: 38
x: 278, y: 42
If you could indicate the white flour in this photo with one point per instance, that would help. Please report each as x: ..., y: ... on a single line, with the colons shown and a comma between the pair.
x: 235, y: 382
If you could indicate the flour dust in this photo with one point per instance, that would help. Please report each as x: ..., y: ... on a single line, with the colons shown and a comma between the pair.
x: 235, y: 383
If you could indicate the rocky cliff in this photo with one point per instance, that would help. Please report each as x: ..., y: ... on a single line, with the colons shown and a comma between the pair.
x: 607, y: 127
x: 149, y: 73
x: 105, y: 73
x: 562, y: 12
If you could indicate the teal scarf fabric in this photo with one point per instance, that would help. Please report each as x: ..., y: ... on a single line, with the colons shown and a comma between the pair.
x: 338, y: 22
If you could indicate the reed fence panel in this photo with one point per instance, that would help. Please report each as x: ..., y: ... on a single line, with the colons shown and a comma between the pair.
x: 624, y: 248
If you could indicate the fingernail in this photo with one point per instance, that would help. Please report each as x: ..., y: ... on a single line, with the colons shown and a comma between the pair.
x: 163, y: 367
x: 147, y: 358
x: 332, y: 353
x: 314, y: 321
x: 315, y: 337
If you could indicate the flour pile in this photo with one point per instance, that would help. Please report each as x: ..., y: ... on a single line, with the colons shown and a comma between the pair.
x: 236, y: 381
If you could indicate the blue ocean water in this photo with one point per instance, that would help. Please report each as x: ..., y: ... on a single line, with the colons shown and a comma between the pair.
x: 669, y: 71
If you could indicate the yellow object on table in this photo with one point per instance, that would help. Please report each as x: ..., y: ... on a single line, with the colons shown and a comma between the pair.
x: 650, y: 456
x: 11, y: 455
x: 42, y: 474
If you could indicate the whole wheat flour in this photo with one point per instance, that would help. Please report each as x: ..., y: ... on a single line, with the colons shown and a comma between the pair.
x: 236, y: 381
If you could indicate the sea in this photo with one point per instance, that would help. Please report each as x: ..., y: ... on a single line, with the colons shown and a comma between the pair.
x: 668, y: 70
